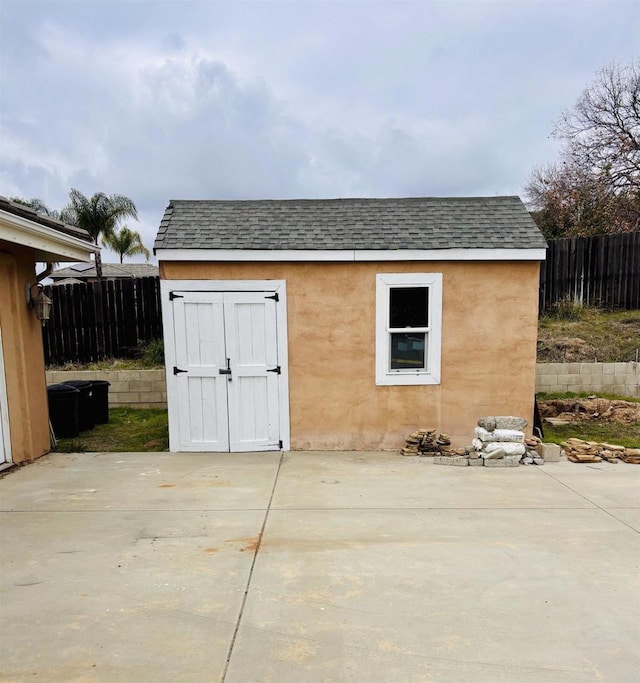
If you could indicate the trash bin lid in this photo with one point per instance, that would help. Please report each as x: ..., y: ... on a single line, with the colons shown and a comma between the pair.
x: 61, y: 389
x: 100, y: 383
x: 78, y: 383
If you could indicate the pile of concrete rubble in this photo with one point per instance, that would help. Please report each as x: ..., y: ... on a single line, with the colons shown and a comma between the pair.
x: 501, y: 439
x: 427, y: 442
x: 499, y: 442
x: 578, y: 450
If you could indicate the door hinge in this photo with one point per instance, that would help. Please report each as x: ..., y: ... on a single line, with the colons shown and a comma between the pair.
x: 173, y: 295
x: 177, y: 371
x: 280, y: 444
x: 275, y: 297
x: 277, y: 370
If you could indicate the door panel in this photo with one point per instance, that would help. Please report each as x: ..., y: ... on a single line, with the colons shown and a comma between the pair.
x: 201, y: 389
x: 251, y: 342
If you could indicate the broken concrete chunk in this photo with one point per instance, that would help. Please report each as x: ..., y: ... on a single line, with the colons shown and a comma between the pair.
x: 456, y: 460
x: 550, y: 452
x: 508, y: 448
x: 494, y: 454
x: 527, y: 460
x: 510, y: 422
x: 499, y: 435
x: 488, y: 423
x: 503, y: 462
x: 538, y: 461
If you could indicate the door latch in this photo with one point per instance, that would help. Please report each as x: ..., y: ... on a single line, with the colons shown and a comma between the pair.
x: 227, y: 370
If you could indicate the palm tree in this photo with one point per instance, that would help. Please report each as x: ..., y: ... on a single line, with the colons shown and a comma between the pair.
x: 37, y: 205
x: 125, y: 242
x: 98, y: 215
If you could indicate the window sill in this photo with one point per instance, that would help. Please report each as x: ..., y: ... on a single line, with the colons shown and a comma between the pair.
x: 406, y: 379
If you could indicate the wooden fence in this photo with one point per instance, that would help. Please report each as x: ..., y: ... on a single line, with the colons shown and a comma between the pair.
x: 89, y: 323
x: 603, y: 270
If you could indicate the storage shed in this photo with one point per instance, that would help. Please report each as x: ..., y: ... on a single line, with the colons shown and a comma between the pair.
x: 345, y: 324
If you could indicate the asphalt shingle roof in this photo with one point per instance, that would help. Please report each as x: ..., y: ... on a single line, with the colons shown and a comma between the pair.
x: 27, y: 212
x: 336, y: 224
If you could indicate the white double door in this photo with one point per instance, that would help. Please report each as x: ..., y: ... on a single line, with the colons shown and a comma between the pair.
x: 226, y: 371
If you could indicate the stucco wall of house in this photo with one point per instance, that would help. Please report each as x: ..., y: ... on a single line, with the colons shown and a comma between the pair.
x: 23, y: 357
x: 488, y: 349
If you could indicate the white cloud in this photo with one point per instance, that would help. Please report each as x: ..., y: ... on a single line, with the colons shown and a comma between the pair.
x: 247, y: 100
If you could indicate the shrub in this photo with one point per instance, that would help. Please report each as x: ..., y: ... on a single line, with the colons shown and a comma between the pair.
x: 566, y: 309
x: 151, y: 352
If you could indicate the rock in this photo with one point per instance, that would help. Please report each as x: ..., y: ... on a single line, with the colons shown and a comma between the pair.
x: 527, y: 460
x: 510, y: 422
x: 477, y: 444
x: 538, y: 461
x: 473, y: 454
x: 488, y: 423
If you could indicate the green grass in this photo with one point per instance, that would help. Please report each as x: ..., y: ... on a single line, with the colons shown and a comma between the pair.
x: 586, y: 334
x: 147, y: 355
x: 128, y: 429
x: 627, y: 435
x: 551, y: 395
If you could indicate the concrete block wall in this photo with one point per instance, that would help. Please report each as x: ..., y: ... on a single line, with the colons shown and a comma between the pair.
x: 610, y: 378
x: 148, y: 389
x: 133, y: 388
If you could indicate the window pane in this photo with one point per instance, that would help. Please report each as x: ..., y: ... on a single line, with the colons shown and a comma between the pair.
x: 407, y: 351
x: 409, y: 307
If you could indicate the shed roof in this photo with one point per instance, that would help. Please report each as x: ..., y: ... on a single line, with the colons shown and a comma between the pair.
x: 355, y: 224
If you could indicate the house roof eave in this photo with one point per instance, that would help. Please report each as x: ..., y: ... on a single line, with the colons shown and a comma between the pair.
x: 353, y: 255
x: 48, y: 243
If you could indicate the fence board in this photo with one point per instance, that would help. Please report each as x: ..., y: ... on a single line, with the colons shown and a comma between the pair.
x: 131, y: 314
x: 603, y: 270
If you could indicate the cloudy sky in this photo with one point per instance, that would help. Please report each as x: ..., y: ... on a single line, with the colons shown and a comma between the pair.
x: 250, y: 100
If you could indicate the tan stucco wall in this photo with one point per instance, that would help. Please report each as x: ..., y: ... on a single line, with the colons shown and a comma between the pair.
x: 488, y: 349
x: 23, y: 357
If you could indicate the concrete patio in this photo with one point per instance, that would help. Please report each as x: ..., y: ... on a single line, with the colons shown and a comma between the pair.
x: 317, y: 567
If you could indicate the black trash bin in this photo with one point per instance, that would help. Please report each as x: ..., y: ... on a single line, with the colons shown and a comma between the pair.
x: 100, y: 400
x: 85, y: 403
x: 63, y: 409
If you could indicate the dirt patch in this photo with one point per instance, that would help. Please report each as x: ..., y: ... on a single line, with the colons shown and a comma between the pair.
x: 566, y: 350
x: 591, y: 409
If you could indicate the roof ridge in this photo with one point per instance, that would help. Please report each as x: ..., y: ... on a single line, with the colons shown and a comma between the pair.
x: 348, y: 199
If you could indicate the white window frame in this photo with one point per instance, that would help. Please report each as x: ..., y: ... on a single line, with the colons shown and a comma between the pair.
x: 433, y: 348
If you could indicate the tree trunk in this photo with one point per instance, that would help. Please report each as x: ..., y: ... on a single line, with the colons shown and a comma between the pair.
x: 98, y: 303
x: 98, y: 262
